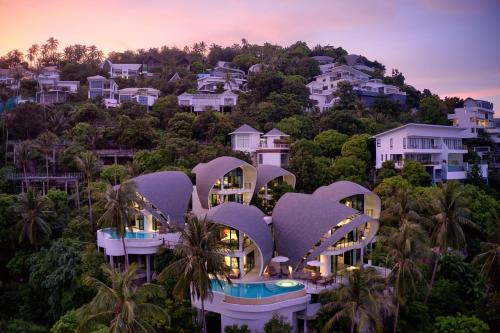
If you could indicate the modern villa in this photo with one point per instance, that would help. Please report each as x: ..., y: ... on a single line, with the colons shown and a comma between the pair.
x: 439, y: 148
x: 200, y: 102
x: 51, y: 89
x: 278, y: 261
x: 223, y: 75
x: 122, y: 70
x: 271, y: 148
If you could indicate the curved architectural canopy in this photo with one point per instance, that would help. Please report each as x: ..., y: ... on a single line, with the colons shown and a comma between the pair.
x: 301, y: 220
x: 207, y: 175
x: 344, y: 189
x: 168, y: 191
x: 266, y: 173
x: 248, y: 220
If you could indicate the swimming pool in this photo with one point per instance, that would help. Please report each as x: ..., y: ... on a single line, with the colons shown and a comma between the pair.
x: 130, y: 235
x: 259, y: 289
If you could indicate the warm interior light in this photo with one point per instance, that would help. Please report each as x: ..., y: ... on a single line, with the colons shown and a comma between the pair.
x: 286, y: 283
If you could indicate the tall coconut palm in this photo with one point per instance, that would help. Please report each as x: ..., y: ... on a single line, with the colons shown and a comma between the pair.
x: 119, y: 210
x: 361, y: 301
x: 120, y: 305
x: 33, y: 53
x: 24, y: 155
x: 489, y: 263
x: 90, y: 165
x: 46, y: 142
x: 200, y: 263
x: 33, y: 212
x: 450, y: 203
x: 405, y: 249
x: 403, y: 206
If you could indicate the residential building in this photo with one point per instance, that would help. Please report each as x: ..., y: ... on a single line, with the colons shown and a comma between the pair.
x: 374, y: 89
x: 150, y: 65
x: 125, y: 71
x: 200, y: 102
x: 439, y: 148
x: 222, y: 76
x: 322, y: 60
x: 270, y: 176
x: 271, y: 148
x: 477, y: 118
x: 100, y: 86
x: 51, y: 89
x: 324, y: 85
x: 330, y: 229
x: 142, y: 96
x: 356, y: 61
x: 224, y: 179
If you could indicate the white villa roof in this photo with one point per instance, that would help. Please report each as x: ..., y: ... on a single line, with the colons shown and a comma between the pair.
x: 423, y: 126
x: 136, y: 90
x: 244, y: 129
x: 96, y: 77
x: 275, y: 132
x: 343, y: 67
x: 126, y: 66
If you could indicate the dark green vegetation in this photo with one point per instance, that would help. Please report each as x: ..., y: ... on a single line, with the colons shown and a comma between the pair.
x: 49, y: 266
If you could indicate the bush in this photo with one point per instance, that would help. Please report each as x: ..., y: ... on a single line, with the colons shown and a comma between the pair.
x: 460, y: 324
x: 115, y: 173
x: 277, y: 324
x: 236, y: 329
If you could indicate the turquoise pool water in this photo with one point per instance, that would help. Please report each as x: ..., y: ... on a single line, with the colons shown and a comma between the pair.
x: 130, y: 235
x: 258, y: 290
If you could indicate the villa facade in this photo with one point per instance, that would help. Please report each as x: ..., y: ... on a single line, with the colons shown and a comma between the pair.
x: 224, y: 76
x: 439, y: 148
x: 125, y: 71
x: 200, y: 102
x: 51, y: 89
x: 271, y: 148
x: 333, y: 227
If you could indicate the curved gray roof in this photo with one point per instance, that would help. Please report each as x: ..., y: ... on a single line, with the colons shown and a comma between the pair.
x: 208, y: 173
x: 266, y: 173
x: 249, y: 220
x: 168, y: 191
x: 344, y: 189
x: 301, y: 220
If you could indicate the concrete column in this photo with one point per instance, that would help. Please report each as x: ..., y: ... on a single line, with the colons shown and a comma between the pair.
x: 111, y: 262
x: 148, y: 269
x: 362, y: 255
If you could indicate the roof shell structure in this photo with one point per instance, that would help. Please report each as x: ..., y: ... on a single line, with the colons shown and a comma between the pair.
x: 168, y: 191
x: 266, y: 173
x: 248, y: 220
x: 208, y: 173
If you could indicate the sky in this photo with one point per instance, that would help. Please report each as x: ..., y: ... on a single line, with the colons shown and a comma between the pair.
x: 451, y: 47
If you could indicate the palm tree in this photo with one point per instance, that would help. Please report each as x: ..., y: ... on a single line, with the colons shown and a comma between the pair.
x: 405, y: 249
x: 447, y: 232
x: 489, y: 263
x: 46, y: 142
x: 119, y: 210
x: 200, y: 263
x: 120, y: 305
x: 361, y: 301
x: 33, y: 212
x: 402, y: 205
x: 33, y: 53
x: 90, y: 165
x: 24, y: 155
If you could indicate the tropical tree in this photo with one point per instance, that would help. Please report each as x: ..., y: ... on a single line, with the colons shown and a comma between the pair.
x: 200, y: 262
x: 33, y: 53
x: 45, y: 143
x: 405, y: 249
x: 402, y: 205
x: 90, y: 165
x: 24, y: 155
x: 120, y: 304
x: 119, y: 210
x: 361, y: 301
x: 489, y: 263
x: 451, y: 204
x: 33, y: 211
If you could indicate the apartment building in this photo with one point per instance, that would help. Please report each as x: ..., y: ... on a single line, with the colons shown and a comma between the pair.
x: 439, y: 148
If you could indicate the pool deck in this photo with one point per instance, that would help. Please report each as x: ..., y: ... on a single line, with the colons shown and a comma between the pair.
x: 311, y: 288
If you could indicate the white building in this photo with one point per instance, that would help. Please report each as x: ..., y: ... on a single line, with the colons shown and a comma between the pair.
x: 265, y: 149
x: 224, y: 76
x: 439, y: 148
x: 122, y: 70
x: 141, y: 96
x: 475, y: 117
x: 51, y: 89
x: 100, y: 86
x: 223, y: 102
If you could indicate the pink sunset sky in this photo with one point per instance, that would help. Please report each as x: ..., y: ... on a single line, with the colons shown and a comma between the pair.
x: 451, y: 47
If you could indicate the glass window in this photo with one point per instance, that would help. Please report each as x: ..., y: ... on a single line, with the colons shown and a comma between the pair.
x: 242, y: 141
x: 95, y: 84
x: 391, y: 144
x: 229, y: 238
x: 156, y: 223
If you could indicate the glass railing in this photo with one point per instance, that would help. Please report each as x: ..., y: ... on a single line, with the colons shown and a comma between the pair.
x: 456, y: 168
